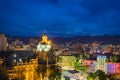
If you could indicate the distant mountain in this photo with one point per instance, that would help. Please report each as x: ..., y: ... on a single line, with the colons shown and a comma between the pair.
x: 89, y: 39
x: 81, y: 39
x: 66, y: 34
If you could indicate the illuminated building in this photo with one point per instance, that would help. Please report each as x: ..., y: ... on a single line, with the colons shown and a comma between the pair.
x: 93, y: 66
x: 1, y: 60
x: 87, y: 62
x: 3, y: 42
x: 23, y: 48
x: 33, y: 43
x: 113, y: 68
x: 21, y: 65
x: 24, y: 71
x: 16, y: 45
x: 78, y: 48
x: 45, y: 51
x: 95, y: 44
x: 66, y: 62
x: 101, y: 63
x: 43, y: 48
x: 44, y: 45
x: 108, y: 49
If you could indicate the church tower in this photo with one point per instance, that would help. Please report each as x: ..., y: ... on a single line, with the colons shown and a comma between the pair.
x: 44, y: 44
x: 44, y: 50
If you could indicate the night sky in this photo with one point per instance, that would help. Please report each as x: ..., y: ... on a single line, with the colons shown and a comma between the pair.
x: 60, y: 17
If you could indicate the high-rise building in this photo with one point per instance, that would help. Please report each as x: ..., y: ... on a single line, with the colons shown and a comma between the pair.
x: 101, y: 63
x: 3, y: 42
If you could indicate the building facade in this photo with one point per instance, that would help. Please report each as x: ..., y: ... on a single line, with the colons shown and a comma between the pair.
x: 3, y: 42
x: 1, y: 60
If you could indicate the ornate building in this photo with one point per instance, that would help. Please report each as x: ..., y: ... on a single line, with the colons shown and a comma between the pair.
x: 45, y: 51
x: 44, y: 45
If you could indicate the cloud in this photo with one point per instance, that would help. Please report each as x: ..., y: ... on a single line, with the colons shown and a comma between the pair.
x: 32, y: 17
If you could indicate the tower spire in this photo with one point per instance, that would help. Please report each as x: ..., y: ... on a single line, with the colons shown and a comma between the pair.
x: 45, y: 39
x: 44, y: 32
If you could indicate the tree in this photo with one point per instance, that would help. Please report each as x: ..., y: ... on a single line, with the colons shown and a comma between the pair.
x: 79, y: 61
x: 91, y: 76
x: 78, y: 64
x: 99, y: 74
x: 114, y: 76
x: 113, y: 59
x: 87, y: 55
x: 75, y: 64
x: 55, y: 72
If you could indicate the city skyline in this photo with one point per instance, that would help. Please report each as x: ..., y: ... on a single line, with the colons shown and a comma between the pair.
x: 60, y: 17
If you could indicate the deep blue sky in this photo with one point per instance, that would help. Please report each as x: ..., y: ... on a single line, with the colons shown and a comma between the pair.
x: 60, y: 17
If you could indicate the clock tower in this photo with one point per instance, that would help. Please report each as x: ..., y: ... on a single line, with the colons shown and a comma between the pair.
x: 44, y: 44
x: 44, y: 52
